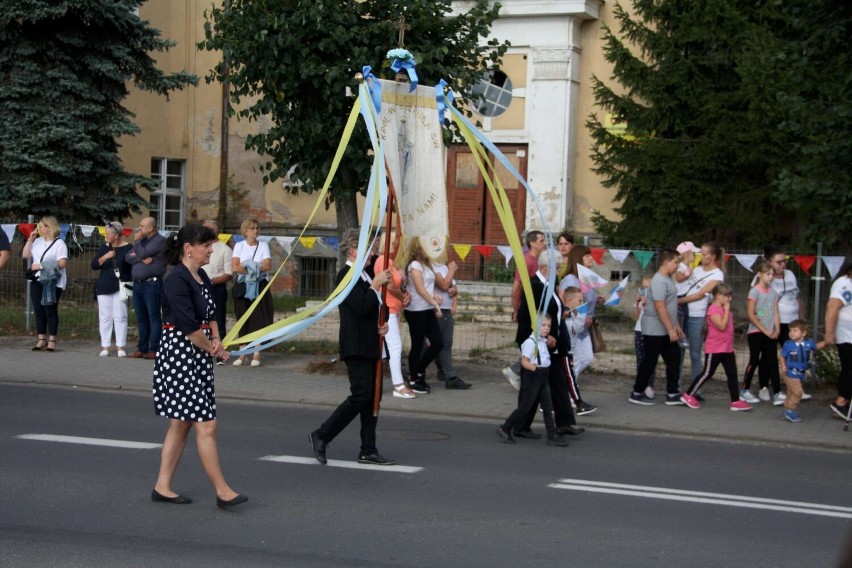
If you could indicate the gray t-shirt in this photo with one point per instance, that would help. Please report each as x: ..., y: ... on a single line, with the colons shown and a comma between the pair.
x: 662, y: 288
x: 764, y: 307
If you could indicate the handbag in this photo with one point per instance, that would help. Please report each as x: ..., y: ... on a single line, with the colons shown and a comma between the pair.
x: 31, y: 274
x: 125, y: 290
x: 598, y: 343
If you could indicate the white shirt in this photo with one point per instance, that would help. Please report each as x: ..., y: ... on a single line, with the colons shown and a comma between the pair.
x: 220, y: 261
x: 446, y: 300
x: 682, y: 287
x: 788, y: 292
x: 245, y: 252
x: 56, y: 253
x: 699, y: 279
x: 842, y: 290
x: 418, y: 304
x: 528, y: 348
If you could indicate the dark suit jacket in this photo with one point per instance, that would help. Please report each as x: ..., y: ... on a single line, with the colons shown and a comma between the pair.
x: 359, y: 320
x: 524, y: 318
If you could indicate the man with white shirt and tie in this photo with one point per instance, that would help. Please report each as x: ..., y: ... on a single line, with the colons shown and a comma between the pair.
x: 360, y: 350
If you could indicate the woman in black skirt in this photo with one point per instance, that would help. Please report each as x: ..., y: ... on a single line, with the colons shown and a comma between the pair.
x: 183, y: 371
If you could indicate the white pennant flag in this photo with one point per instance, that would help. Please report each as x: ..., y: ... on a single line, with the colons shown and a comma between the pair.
x: 264, y: 238
x: 506, y: 251
x: 286, y: 243
x: 165, y: 232
x: 833, y: 263
x: 9, y: 229
x: 87, y: 230
x: 619, y: 254
x: 747, y: 260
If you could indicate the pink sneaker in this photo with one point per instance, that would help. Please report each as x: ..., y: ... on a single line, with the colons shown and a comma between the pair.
x: 690, y: 401
x: 740, y: 406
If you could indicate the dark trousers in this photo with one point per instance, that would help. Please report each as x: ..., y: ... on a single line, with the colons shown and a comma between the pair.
x: 534, y: 391
x: 560, y: 398
x: 47, y: 317
x: 358, y: 403
x: 844, y: 381
x: 146, y: 306
x: 763, y: 357
x: 655, y: 346
x: 423, y: 325
x: 711, y: 361
x: 220, y: 296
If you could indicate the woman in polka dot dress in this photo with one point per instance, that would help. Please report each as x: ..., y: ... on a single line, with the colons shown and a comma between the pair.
x: 183, y: 371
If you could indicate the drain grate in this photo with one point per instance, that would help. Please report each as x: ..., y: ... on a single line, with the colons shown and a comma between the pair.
x: 414, y: 435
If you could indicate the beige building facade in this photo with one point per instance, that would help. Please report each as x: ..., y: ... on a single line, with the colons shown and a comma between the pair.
x: 556, y: 48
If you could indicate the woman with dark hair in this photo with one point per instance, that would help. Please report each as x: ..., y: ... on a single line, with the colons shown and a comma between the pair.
x: 838, y: 330
x: 422, y: 315
x: 564, y: 242
x: 183, y: 370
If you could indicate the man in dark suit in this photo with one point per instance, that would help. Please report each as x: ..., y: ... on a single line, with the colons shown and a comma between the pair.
x: 557, y: 345
x: 360, y: 350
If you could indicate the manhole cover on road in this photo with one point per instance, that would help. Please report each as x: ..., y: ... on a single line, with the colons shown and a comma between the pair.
x: 414, y: 435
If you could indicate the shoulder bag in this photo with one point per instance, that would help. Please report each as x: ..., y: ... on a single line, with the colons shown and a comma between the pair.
x: 29, y: 272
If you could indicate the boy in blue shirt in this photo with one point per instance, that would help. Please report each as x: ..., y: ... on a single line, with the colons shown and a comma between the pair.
x: 794, y: 359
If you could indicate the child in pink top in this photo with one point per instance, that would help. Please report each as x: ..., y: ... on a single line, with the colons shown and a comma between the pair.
x: 718, y: 349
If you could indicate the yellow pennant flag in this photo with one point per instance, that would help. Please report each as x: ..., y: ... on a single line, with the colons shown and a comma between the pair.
x: 225, y: 237
x: 102, y: 231
x: 308, y: 242
x: 462, y: 250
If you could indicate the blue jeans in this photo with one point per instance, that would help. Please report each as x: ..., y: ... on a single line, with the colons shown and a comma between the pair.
x: 694, y: 326
x: 146, y: 304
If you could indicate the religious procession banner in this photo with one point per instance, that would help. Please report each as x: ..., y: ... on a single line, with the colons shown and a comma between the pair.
x: 410, y: 129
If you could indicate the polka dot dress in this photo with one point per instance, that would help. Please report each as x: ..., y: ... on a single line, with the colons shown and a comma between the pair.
x: 183, y: 375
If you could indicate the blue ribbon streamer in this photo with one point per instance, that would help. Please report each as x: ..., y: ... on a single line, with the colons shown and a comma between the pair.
x: 397, y: 65
x: 374, y: 87
x: 440, y: 98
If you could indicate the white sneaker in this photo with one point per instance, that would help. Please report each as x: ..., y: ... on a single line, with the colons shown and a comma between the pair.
x: 649, y: 392
x: 122, y: 353
x: 745, y: 395
x: 763, y: 394
x: 104, y: 353
x: 778, y: 398
x: 238, y: 362
x: 514, y: 379
x: 255, y: 362
x: 806, y: 396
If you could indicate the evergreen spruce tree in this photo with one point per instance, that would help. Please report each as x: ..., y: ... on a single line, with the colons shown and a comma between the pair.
x: 739, y: 120
x: 64, y: 68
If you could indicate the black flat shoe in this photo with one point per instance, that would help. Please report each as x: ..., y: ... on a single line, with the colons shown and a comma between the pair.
x: 318, y: 446
x: 526, y: 434
x: 177, y: 499
x: 222, y: 504
x: 571, y: 431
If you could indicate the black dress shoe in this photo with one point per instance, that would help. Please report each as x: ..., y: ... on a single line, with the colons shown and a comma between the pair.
x: 505, y: 435
x: 572, y: 430
x: 374, y: 458
x: 556, y: 440
x: 529, y: 434
x: 222, y: 504
x: 318, y: 446
x: 177, y: 499
x: 457, y: 384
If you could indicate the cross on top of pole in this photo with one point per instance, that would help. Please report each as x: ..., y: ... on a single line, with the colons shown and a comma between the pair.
x: 402, y: 26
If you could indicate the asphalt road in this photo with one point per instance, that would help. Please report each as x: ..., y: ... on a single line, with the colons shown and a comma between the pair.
x: 476, y: 502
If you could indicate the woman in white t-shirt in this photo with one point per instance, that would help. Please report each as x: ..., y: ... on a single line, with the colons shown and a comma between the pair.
x: 48, y: 252
x: 704, y: 278
x: 252, y: 255
x: 790, y: 307
x: 838, y: 330
x: 422, y: 315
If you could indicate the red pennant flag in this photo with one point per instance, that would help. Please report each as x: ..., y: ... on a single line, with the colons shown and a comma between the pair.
x: 484, y: 250
x: 805, y: 261
x: 127, y: 231
x: 597, y: 254
x: 26, y: 229
x: 727, y: 258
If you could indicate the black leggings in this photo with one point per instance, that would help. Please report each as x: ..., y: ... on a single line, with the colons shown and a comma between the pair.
x: 763, y: 357
x: 47, y: 317
x: 423, y: 325
x: 844, y: 381
x: 711, y: 361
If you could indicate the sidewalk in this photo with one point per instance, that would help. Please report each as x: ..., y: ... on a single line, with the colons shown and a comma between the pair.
x: 284, y: 378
